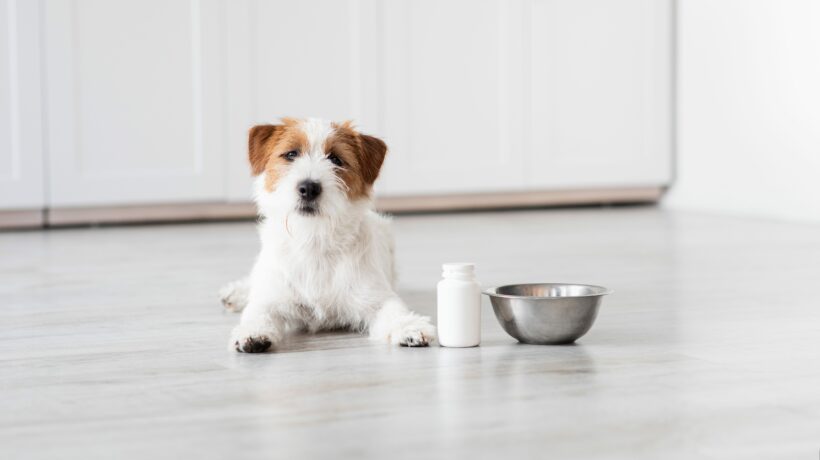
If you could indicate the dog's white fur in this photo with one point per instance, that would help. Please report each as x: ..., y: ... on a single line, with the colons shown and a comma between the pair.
x: 317, y: 272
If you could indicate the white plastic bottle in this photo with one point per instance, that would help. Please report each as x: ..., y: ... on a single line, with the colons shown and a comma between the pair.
x: 459, y: 306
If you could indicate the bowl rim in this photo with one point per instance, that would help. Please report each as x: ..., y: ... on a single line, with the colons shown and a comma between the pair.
x: 493, y: 291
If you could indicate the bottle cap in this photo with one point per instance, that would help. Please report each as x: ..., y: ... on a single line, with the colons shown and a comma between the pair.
x: 458, y: 268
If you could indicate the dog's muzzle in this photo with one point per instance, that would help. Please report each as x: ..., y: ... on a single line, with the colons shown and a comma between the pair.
x: 309, y: 192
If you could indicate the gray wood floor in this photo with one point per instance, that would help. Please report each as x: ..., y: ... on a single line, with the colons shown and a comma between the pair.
x: 113, y: 346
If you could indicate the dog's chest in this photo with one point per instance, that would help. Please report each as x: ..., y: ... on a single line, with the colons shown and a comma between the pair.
x: 322, y: 280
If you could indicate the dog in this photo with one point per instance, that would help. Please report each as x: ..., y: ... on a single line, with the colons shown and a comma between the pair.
x: 327, y: 259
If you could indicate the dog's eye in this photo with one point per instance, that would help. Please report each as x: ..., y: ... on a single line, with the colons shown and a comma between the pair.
x: 290, y: 156
x: 335, y: 159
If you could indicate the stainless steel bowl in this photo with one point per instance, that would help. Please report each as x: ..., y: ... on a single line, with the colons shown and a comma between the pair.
x: 546, y: 313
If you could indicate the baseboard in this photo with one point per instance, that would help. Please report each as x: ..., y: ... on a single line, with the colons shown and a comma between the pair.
x: 58, y: 217
x: 24, y: 218
x: 541, y: 198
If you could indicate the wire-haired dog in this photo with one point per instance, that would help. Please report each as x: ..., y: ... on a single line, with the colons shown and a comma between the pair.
x: 327, y: 258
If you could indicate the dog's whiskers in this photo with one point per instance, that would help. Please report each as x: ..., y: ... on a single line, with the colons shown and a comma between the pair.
x: 287, y: 228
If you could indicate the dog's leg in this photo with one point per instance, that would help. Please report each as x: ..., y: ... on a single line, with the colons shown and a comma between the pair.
x: 259, y: 329
x: 398, y: 325
x: 234, y: 295
x: 263, y: 323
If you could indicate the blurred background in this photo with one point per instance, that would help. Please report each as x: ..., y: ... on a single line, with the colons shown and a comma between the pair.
x: 138, y: 110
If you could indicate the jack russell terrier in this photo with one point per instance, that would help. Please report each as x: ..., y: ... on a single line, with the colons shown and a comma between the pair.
x: 326, y: 260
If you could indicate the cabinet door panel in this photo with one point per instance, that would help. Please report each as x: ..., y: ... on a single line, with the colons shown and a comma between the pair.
x: 600, y: 105
x: 311, y: 58
x: 134, y: 101
x: 451, y: 105
x: 21, y: 173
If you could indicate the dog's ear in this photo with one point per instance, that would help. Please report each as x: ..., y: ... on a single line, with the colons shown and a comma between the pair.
x: 258, y: 149
x: 373, y: 151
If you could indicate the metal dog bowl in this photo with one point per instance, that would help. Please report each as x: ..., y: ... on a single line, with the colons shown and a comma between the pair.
x: 546, y: 313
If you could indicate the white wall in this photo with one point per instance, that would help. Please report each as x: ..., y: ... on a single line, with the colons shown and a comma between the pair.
x: 749, y: 108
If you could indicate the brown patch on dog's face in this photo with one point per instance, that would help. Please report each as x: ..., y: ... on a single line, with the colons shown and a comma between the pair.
x: 361, y: 157
x: 373, y: 151
x: 258, y: 139
x: 268, y: 146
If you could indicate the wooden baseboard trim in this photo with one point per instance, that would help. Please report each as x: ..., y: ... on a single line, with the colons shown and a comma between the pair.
x: 59, y: 217
x: 24, y: 218
x: 520, y: 199
x: 219, y: 211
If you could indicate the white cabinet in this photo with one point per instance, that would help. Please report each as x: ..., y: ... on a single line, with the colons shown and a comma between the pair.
x: 311, y: 58
x: 470, y: 95
x: 599, y: 109
x: 21, y: 154
x: 134, y: 101
x: 452, y: 104
x: 483, y: 96
x: 150, y: 101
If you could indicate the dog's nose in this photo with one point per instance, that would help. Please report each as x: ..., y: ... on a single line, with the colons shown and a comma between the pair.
x: 309, y: 190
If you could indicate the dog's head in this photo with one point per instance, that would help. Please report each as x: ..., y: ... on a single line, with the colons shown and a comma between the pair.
x: 312, y: 166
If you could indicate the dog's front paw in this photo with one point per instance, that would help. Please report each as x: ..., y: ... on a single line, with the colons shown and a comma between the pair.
x: 259, y: 344
x: 245, y: 340
x: 417, y: 334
